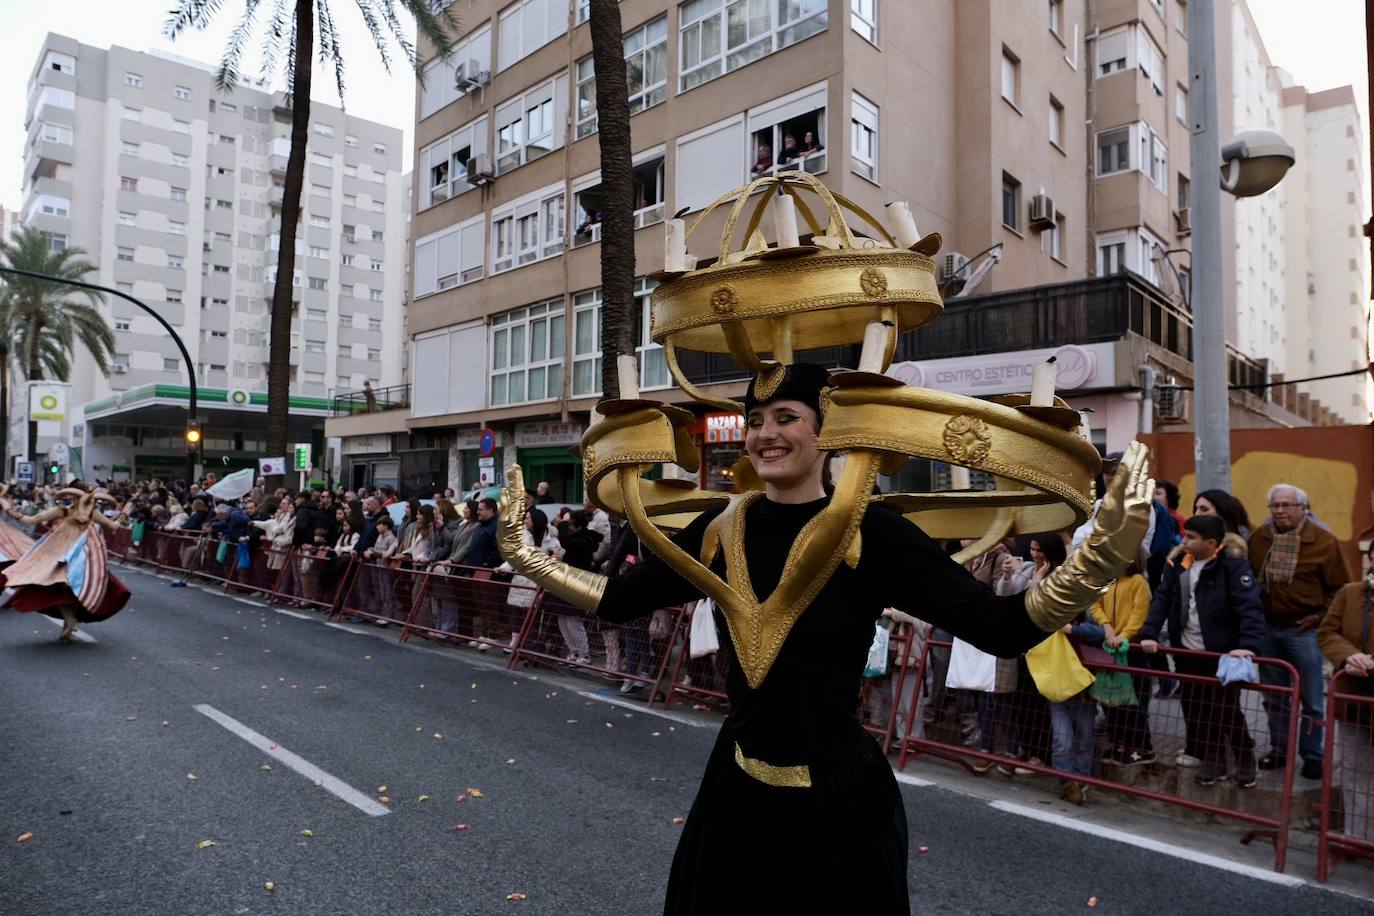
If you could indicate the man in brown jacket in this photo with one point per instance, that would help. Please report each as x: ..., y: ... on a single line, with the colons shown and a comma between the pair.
x: 1346, y: 634
x: 1300, y: 568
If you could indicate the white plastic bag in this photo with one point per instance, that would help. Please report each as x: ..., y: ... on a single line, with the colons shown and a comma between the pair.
x: 877, y: 652
x: 704, y: 640
x: 970, y: 668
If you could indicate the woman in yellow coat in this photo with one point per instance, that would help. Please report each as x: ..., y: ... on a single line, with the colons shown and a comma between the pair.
x: 1121, y: 612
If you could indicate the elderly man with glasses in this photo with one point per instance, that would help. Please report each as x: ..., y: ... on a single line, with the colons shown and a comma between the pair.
x: 1300, y: 568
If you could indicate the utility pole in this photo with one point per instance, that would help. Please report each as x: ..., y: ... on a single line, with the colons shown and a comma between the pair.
x: 1211, y: 425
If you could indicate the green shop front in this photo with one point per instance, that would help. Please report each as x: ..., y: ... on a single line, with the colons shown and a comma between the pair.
x: 546, y: 451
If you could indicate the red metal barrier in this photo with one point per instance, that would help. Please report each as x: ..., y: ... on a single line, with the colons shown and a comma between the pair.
x: 381, y: 592
x: 312, y: 577
x: 881, y: 698
x: 701, y: 680
x: 205, y: 563
x: 1159, y: 745
x: 471, y: 604
x: 264, y: 575
x: 1347, y: 815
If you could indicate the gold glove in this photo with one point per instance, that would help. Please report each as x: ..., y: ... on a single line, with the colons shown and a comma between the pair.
x: 579, y: 587
x: 1114, y: 544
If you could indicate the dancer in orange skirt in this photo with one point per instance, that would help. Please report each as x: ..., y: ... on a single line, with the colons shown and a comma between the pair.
x: 66, y: 573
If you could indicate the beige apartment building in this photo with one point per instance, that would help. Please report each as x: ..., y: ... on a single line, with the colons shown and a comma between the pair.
x: 1033, y: 136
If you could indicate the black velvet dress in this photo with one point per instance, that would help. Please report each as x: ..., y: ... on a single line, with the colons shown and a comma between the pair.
x: 841, y: 844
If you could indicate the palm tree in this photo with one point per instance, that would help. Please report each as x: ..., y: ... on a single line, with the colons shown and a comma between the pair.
x: 290, y: 39
x: 41, y: 322
x: 617, y: 183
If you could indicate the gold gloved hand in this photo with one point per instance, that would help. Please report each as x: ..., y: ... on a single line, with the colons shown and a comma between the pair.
x: 579, y: 587
x: 1121, y: 522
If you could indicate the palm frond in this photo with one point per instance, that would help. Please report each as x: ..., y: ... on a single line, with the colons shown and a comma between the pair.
x: 328, y: 38
x: 227, y: 75
x: 190, y: 14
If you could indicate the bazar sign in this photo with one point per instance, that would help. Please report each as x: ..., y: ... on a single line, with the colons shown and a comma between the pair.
x: 550, y: 433
x: 724, y: 427
x: 1005, y: 373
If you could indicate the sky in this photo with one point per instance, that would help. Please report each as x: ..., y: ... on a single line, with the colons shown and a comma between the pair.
x: 1322, y: 46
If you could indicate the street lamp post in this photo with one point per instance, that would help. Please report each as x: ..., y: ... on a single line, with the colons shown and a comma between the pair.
x: 1251, y: 163
x: 192, y: 416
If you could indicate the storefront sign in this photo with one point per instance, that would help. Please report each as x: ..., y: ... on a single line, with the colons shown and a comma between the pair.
x: 489, y: 462
x: 724, y: 427
x: 550, y: 433
x: 1092, y: 365
x: 47, y: 402
x: 379, y: 444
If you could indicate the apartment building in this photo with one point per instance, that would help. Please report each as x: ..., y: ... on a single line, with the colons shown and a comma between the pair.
x: 173, y: 189
x: 1327, y: 295
x: 9, y: 223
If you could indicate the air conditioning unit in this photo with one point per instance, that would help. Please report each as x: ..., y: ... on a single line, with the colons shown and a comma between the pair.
x: 119, y: 368
x: 1171, y: 405
x: 1042, y: 212
x: 479, y: 170
x: 1183, y: 221
x: 468, y: 76
x: 951, y: 263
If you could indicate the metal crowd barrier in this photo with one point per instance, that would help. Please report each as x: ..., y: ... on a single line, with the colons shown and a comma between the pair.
x: 1176, y: 735
x: 1347, y: 806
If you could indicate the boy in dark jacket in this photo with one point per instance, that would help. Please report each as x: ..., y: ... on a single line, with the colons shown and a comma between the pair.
x: 1211, y: 602
x: 579, y: 542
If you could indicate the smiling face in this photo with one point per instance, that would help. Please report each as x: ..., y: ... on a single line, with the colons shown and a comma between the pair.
x: 781, y: 442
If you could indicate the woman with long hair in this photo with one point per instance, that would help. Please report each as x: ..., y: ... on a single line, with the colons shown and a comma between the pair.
x: 796, y: 798
x: 1227, y: 507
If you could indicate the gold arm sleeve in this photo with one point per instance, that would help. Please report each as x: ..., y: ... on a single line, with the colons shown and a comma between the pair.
x: 1115, y: 542
x: 579, y: 587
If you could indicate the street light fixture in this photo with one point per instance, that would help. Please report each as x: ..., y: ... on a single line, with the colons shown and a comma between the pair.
x: 1254, y: 161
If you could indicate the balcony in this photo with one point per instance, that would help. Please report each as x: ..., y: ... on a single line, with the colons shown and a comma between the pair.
x: 351, y: 403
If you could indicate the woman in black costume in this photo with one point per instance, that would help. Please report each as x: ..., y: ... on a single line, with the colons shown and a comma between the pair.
x: 798, y: 810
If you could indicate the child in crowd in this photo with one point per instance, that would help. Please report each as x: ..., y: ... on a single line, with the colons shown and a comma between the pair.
x: 1074, y: 721
x: 1211, y: 603
x: 1121, y: 612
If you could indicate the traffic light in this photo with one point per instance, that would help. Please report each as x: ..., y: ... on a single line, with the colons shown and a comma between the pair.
x: 54, y: 468
x: 193, y: 435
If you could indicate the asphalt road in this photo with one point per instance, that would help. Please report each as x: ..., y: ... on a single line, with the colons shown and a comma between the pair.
x: 120, y: 777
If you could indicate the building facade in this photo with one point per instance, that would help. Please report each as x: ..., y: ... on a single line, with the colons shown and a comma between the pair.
x: 174, y: 190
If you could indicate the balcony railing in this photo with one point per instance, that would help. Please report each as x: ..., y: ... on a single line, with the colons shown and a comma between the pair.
x: 349, y: 403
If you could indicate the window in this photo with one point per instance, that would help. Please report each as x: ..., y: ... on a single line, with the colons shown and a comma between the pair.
x: 324, y: 130
x: 1056, y: 16
x: 1159, y: 7
x: 528, y: 25
x: 1185, y: 193
x: 527, y: 354
x: 378, y: 235
x: 346, y: 260
x: 379, y: 149
x: 57, y: 133
x: 1181, y: 104
x: 221, y: 268
x: 525, y: 125
x: 122, y: 324
x: 179, y: 160
x: 1159, y: 160
x: 176, y: 228
x: 376, y: 266
x: 350, y: 233
x: 446, y: 162
x: 1113, y: 151
x: 127, y: 219
x: 132, y: 114
x: 584, y: 11
x: 314, y: 378
x: 318, y: 283
x: 450, y: 257
x: 57, y: 242
x: 1181, y: 17
x: 319, y: 222
x: 54, y: 206
x: 322, y: 160
x: 345, y: 351
x: 124, y: 254
x: 375, y: 324
x: 224, y: 204
x: 864, y: 139
x: 176, y: 261
x: 863, y: 18
x: 228, y: 106
x: 350, y: 171
x: 1150, y: 60
x: 316, y: 314
x: 128, y: 184
x: 62, y: 63
x: 133, y: 79
x: 128, y: 149
x: 173, y: 296
x: 1011, y: 76
x: 788, y: 134
x: 1052, y: 239
x: 1011, y: 202
x: 185, y: 95
x: 350, y: 200
x: 180, y: 126
x: 350, y: 141
x: 374, y: 295
x: 718, y: 36
x: 314, y: 346
x: 529, y: 230
x: 1112, y: 49
x: 226, y: 139
x: 646, y: 73
x: 345, y: 321
x: 467, y: 68
x: 170, y: 364
x: 647, y: 178
x: 317, y: 252
x: 219, y: 335
x: 653, y: 370
x: 374, y: 353
x: 1111, y: 254
x: 178, y: 193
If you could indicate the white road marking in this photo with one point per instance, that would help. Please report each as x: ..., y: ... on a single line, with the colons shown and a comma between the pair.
x: 330, y: 784
x: 82, y: 635
x: 646, y: 710
x: 1168, y: 849
x: 913, y: 780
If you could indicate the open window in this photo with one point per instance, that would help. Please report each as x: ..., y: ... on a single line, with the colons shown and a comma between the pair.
x: 789, y: 134
x: 648, y: 179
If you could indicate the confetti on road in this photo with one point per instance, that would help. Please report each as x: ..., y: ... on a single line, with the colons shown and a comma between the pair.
x: 423, y: 798
x: 677, y: 820
x: 655, y: 734
x: 461, y: 798
x: 476, y: 793
x: 206, y: 844
x: 306, y: 832
x: 24, y: 837
x: 192, y: 776
x: 460, y: 827
x: 367, y: 658
x: 510, y: 760
x: 923, y: 849
x: 474, y: 685
x: 270, y: 887
x: 516, y: 896
x: 130, y: 718
x: 438, y: 737
x: 572, y: 721
x: 267, y: 767
x: 384, y: 799
x: 1092, y: 901
x: 165, y: 723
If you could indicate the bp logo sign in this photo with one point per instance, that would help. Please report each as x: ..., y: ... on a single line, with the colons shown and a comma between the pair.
x: 238, y: 397
x: 48, y: 402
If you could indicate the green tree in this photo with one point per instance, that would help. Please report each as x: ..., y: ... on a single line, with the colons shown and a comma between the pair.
x: 295, y: 34
x: 617, y: 183
x: 42, y: 322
